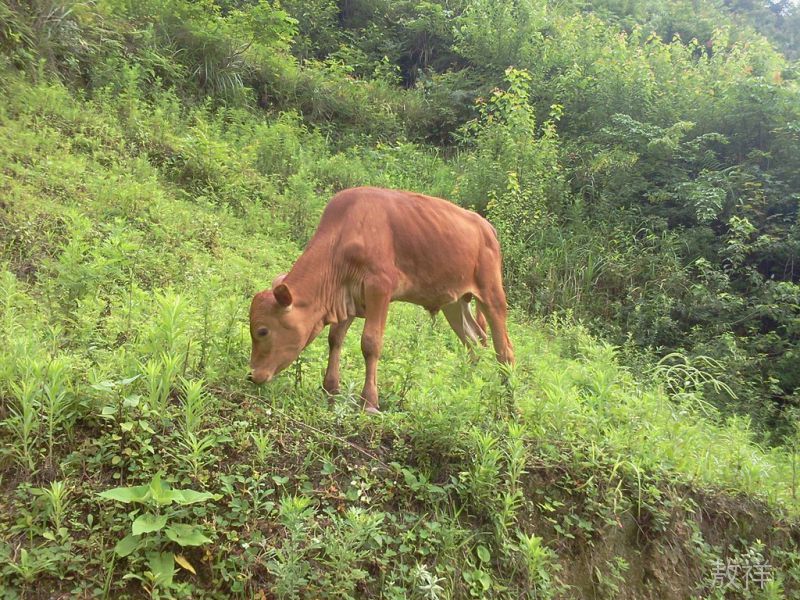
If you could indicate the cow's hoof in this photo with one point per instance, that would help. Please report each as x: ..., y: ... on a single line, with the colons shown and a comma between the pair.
x: 371, y: 410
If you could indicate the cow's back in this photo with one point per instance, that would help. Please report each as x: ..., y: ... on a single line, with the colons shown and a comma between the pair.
x: 433, y: 247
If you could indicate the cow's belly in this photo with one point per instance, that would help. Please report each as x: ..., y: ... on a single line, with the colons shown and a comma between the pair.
x: 431, y: 295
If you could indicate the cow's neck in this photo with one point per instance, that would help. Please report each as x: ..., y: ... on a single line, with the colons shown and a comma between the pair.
x: 316, y: 286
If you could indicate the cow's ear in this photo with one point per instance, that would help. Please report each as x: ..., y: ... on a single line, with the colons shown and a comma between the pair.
x: 283, y: 295
x: 278, y: 280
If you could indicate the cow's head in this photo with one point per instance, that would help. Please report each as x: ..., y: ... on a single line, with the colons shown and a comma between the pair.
x: 278, y: 330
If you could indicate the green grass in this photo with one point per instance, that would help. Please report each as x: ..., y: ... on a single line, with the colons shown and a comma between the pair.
x: 127, y: 260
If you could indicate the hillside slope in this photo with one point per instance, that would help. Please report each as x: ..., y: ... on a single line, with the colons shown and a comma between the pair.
x: 124, y: 285
x: 161, y: 160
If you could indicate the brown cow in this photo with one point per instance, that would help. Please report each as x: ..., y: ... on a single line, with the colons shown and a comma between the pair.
x: 374, y: 246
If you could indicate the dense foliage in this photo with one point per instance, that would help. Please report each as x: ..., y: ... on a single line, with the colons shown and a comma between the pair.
x: 642, y: 158
x: 161, y: 160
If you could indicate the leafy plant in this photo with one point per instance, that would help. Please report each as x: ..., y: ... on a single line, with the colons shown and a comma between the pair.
x: 289, y: 563
x: 57, y: 496
x: 24, y: 424
x: 538, y: 561
x: 57, y: 403
x: 262, y: 440
x: 158, y: 525
x: 160, y: 374
x: 428, y: 584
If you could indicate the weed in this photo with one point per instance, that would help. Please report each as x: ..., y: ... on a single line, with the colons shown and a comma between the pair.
x: 538, y: 561
x: 289, y: 564
x: 428, y: 584
x: 23, y: 422
x: 160, y: 375
x: 262, y: 440
x: 195, y: 404
x: 57, y: 403
x: 196, y: 451
x: 28, y: 566
x: 484, y: 477
x: 58, y: 500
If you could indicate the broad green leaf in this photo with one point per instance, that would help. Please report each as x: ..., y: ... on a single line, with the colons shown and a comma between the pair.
x: 131, y: 401
x: 485, y: 580
x: 183, y: 497
x: 186, y: 535
x: 160, y: 491
x: 162, y: 565
x: 410, y: 479
x: 148, y: 523
x: 483, y: 553
x: 127, y: 545
x: 138, y: 493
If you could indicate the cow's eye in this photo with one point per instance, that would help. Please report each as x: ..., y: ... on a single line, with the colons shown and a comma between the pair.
x: 262, y: 332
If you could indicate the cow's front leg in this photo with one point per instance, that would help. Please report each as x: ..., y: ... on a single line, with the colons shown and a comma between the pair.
x: 376, y: 300
x: 335, y: 339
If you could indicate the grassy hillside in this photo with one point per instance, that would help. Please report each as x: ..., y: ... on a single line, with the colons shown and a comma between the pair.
x: 162, y: 161
x: 123, y: 351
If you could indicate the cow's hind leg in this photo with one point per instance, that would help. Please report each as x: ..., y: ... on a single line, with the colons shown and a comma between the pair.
x: 492, y: 303
x: 377, y: 295
x: 335, y: 339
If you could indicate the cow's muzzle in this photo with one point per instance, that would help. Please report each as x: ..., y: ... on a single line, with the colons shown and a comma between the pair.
x: 258, y: 378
